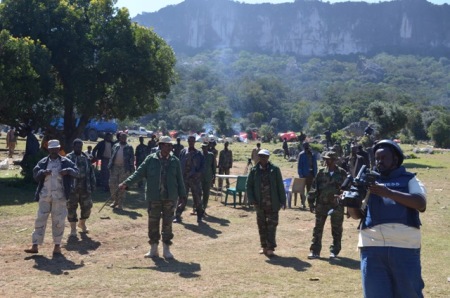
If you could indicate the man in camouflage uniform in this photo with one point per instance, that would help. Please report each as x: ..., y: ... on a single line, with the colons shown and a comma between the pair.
x: 192, y: 163
x: 321, y: 200
x: 164, y: 186
x: 225, y: 164
x: 265, y: 191
x: 84, y: 185
x: 209, y: 173
x: 141, y: 153
x: 121, y: 166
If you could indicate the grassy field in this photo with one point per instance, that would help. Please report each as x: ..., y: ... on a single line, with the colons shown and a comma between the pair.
x: 217, y: 259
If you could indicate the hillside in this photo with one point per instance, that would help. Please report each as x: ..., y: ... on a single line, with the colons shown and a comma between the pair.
x: 305, y: 28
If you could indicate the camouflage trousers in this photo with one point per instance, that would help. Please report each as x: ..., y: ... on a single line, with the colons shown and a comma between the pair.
x: 195, y: 186
x: 156, y: 210
x: 57, y: 208
x: 267, y: 227
x: 224, y: 171
x: 206, y: 190
x: 337, y: 218
x: 83, y: 199
x: 117, y: 175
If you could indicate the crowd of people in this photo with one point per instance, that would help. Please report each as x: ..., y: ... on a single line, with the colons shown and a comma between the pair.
x: 389, y: 238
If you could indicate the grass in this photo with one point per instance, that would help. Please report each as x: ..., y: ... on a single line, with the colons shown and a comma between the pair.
x: 217, y: 259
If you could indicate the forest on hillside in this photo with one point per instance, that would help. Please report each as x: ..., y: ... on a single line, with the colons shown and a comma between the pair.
x: 236, y: 91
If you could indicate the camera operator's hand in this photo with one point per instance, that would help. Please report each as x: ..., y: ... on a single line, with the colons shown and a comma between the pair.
x: 380, y: 190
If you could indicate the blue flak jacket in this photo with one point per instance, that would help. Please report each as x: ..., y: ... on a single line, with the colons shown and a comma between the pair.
x: 384, y: 210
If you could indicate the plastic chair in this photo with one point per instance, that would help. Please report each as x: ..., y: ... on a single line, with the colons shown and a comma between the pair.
x: 287, y: 189
x: 239, y: 189
x: 298, y: 187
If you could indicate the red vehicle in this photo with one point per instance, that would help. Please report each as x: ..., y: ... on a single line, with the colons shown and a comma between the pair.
x: 290, y: 136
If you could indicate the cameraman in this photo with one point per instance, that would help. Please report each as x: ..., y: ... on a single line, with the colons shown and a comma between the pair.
x: 390, y: 239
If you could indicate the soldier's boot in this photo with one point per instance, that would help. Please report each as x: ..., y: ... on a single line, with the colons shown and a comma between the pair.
x: 82, y: 225
x: 166, y: 251
x: 153, y: 252
x: 73, y: 229
x: 177, y: 219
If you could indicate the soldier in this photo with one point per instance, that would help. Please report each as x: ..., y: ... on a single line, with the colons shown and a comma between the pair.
x: 265, y: 190
x: 164, y: 185
x: 209, y: 173
x: 177, y: 148
x: 225, y: 164
x: 140, y: 154
x: 121, y: 166
x: 54, y: 176
x: 321, y: 200
x: 84, y: 185
x: 192, y: 164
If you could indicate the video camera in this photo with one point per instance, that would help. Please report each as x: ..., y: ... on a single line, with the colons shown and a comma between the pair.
x: 355, y: 189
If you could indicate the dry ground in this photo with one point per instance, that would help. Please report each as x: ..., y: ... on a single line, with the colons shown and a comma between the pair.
x: 216, y: 259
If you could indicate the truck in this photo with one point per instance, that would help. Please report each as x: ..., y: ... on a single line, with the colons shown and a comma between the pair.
x: 98, y: 128
x: 140, y: 132
x: 94, y: 129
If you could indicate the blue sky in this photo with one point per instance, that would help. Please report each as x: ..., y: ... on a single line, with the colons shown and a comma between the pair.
x: 139, y: 6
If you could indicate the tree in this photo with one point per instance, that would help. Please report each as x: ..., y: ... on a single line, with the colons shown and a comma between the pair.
x: 106, y: 66
x: 26, y: 79
x: 266, y: 132
x: 439, y: 131
x: 389, y: 118
x: 191, y: 123
x: 222, y: 119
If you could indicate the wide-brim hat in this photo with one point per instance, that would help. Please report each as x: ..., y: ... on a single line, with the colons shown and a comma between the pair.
x: 165, y: 140
x: 264, y: 152
x: 53, y: 144
x: 330, y: 155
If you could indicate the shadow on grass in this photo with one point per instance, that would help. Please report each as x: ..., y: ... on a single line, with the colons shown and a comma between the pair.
x: 212, y: 219
x: 82, y: 245
x: 203, y: 229
x: 15, y: 191
x: 57, y: 265
x: 346, y: 263
x: 130, y: 214
x: 289, y: 262
x: 185, y: 270
x: 412, y: 165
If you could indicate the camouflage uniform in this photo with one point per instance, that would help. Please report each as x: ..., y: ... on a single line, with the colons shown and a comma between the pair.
x: 118, y: 173
x: 164, y: 186
x: 209, y: 172
x: 265, y: 190
x: 225, y: 164
x: 321, y: 196
x: 192, y: 163
x: 84, y: 185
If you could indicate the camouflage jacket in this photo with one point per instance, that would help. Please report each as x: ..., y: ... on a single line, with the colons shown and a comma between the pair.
x: 226, y: 159
x: 209, y: 169
x: 128, y: 157
x: 325, y: 187
x: 86, y: 172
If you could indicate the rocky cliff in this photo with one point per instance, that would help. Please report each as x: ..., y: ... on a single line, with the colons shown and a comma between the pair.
x: 305, y: 28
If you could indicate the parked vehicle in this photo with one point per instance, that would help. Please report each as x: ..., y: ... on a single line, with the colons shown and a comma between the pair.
x: 140, y: 131
x: 93, y: 130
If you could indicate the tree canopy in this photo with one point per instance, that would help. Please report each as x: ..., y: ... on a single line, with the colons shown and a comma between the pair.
x: 82, y: 59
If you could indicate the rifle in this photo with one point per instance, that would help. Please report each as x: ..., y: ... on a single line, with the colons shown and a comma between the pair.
x: 109, y: 199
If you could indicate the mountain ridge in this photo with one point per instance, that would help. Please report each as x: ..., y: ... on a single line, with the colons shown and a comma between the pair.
x: 304, y: 28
